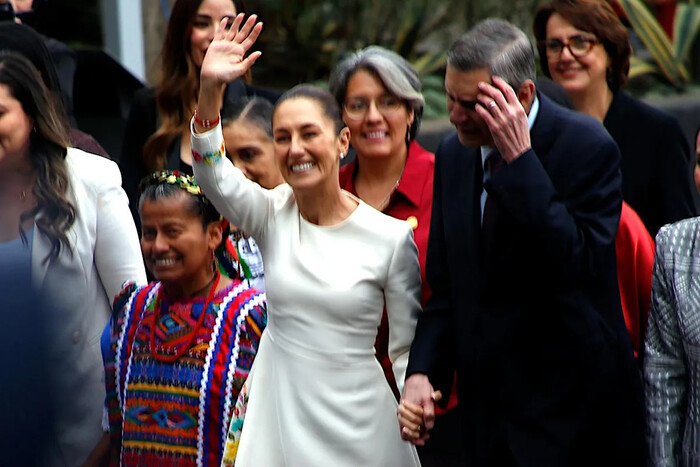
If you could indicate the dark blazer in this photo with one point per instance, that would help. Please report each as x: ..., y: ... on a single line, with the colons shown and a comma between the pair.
x: 546, y: 374
x: 657, y: 179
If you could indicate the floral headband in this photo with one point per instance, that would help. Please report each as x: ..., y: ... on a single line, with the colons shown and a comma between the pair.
x: 182, y: 180
x: 172, y: 177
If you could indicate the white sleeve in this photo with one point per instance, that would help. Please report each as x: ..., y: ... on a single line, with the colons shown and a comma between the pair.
x: 117, y: 251
x: 243, y: 202
x: 402, y: 296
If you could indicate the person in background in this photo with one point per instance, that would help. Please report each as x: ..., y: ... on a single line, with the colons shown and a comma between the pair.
x: 585, y: 48
x: 156, y: 136
x: 64, y: 217
x: 63, y: 57
x: 317, y: 395
x: 656, y: 189
x: 24, y: 40
x: 521, y: 265
x: 247, y: 129
x: 379, y: 93
x: 671, y: 362
x: 180, y: 348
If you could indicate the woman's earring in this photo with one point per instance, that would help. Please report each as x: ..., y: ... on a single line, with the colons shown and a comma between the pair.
x: 342, y: 155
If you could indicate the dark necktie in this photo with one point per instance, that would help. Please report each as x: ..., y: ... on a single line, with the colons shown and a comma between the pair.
x: 494, y: 163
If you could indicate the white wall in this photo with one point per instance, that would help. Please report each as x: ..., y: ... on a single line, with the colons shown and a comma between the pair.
x: 122, y: 23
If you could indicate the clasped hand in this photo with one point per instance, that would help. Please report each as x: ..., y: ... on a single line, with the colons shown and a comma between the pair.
x: 417, y: 409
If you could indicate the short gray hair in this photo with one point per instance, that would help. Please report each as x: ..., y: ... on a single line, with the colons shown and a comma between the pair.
x: 396, y: 74
x: 498, y: 46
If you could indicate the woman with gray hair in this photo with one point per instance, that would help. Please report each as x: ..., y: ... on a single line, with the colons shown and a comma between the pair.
x: 379, y: 93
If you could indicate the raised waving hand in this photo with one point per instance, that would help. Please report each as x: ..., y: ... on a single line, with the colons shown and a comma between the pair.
x: 226, y: 61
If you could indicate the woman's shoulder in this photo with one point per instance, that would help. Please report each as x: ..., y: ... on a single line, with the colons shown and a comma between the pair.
x: 631, y: 110
x: 241, y: 298
x: 382, y: 225
x: 129, y: 290
x: 679, y: 236
x: 91, y: 169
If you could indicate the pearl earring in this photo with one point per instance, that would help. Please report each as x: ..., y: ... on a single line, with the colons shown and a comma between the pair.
x: 342, y: 155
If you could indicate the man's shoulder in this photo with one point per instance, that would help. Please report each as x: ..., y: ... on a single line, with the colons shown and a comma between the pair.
x: 565, y: 123
x: 451, y: 147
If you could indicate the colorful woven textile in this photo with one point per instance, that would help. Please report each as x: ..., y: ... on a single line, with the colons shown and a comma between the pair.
x: 178, y: 413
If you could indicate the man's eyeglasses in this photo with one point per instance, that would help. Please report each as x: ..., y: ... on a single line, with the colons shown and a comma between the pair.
x: 577, y: 45
x: 357, y: 107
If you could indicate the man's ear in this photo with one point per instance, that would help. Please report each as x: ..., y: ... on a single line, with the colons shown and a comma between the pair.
x: 526, y: 94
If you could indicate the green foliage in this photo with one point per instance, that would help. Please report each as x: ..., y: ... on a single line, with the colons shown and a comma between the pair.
x: 304, y: 39
x: 669, y: 59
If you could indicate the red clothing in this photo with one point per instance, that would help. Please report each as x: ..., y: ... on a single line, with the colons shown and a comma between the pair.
x: 634, y: 249
x: 412, y: 201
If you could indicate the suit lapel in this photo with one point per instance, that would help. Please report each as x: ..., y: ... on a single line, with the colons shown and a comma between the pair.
x: 463, y: 184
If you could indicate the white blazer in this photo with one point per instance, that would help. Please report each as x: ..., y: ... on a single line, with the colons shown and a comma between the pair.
x: 82, y: 284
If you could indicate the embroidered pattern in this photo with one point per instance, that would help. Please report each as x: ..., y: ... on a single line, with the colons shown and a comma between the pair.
x: 178, y: 413
x: 210, y: 158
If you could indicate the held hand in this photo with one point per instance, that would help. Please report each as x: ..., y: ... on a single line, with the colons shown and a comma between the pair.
x: 224, y: 60
x: 505, y: 117
x: 417, y: 409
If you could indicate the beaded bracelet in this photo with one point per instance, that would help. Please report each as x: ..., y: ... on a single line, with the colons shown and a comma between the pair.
x: 205, y: 123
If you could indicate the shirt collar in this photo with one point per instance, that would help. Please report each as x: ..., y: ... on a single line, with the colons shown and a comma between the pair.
x: 412, y: 180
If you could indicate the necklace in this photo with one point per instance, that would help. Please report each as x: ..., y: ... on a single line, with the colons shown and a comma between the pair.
x: 385, y: 201
x: 189, y: 337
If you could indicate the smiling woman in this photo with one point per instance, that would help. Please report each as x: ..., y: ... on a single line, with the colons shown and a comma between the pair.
x: 172, y: 345
x: 317, y: 395
x: 586, y: 49
x: 64, y: 226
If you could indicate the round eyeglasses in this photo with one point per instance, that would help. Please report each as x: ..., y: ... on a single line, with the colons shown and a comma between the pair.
x: 578, y: 46
x: 357, y: 107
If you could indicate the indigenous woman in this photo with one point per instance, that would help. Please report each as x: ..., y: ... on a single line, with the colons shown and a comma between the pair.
x: 181, y: 347
x: 317, y: 395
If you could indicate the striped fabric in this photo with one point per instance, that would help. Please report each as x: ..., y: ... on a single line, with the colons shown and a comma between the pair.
x: 178, y: 413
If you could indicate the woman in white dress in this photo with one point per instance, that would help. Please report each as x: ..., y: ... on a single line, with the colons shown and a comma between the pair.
x: 317, y: 395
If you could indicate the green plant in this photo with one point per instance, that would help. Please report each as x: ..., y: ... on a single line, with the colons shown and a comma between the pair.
x: 304, y: 39
x: 669, y: 57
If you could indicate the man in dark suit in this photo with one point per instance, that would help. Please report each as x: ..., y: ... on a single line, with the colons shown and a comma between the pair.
x: 521, y: 262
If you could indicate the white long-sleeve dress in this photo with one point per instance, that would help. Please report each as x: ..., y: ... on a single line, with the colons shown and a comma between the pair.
x: 317, y: 394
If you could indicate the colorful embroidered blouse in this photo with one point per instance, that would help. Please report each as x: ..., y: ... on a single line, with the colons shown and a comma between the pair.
x: 178, y: 413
